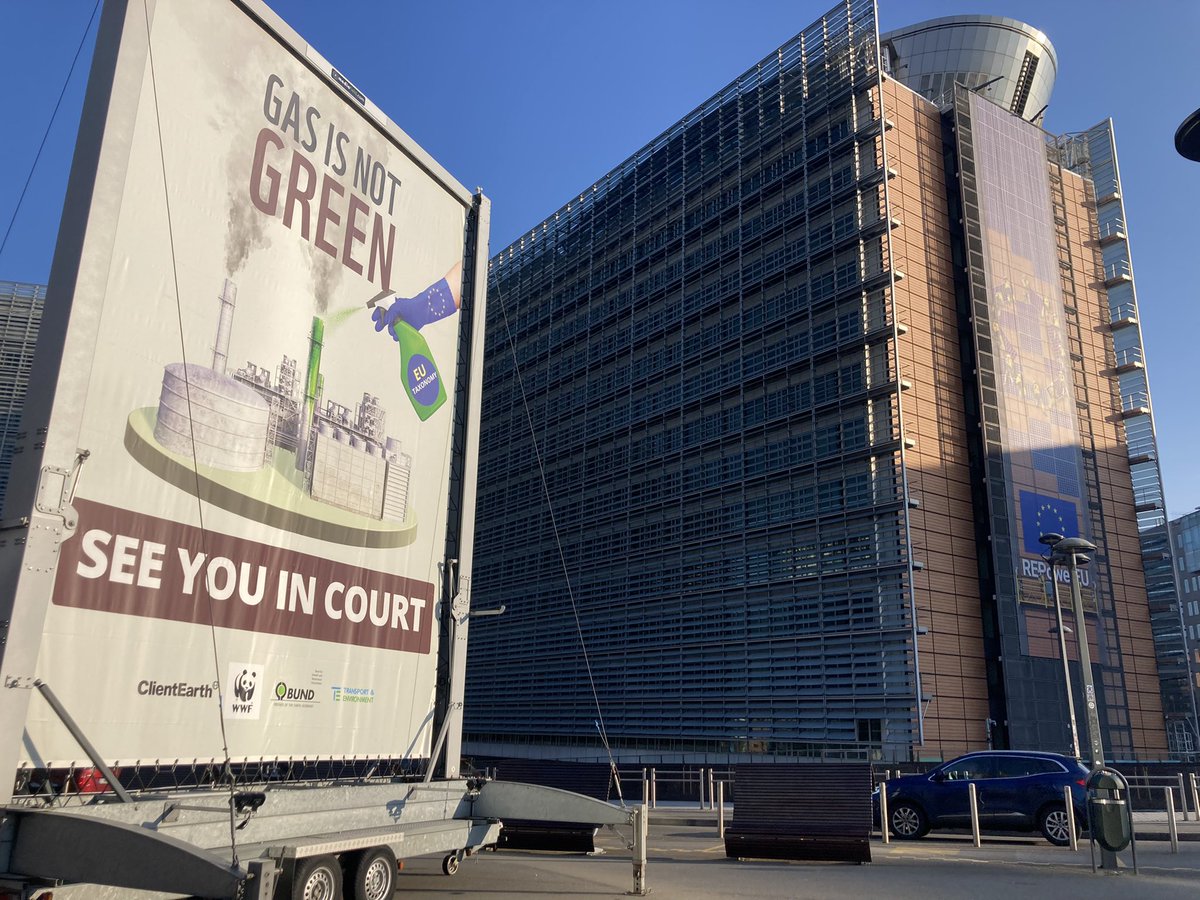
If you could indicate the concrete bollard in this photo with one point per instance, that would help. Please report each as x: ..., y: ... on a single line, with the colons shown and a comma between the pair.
x: 653, y: 789
x: 721, y: 810
x: 974, y: 814
x: 640, y: 856
x: 1070, y: 805
x: 883, y: 813
x: 712, y: 796
x: 1172, y: 828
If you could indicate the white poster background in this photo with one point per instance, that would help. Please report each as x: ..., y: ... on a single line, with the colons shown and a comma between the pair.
x: 198, y: 119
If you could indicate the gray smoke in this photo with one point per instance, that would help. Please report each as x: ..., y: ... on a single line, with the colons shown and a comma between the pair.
x: 244, y: 231
x: 324, y: 277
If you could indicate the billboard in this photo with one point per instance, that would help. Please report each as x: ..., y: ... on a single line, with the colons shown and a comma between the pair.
x: 269, y: 359
x: 1035, y: 392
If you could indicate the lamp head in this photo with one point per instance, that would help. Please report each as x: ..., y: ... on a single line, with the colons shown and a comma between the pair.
x: 1074, y: 545
x: 1049, y: 540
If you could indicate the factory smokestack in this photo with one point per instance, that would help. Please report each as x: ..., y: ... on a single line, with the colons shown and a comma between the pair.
x: 224, y: 326
x: 312, y: 388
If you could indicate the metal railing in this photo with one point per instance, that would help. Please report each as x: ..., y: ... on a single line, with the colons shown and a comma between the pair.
x: 692, y: 786
x: 1179, y: 793
x: 1119, y: 270
x: 1160, y: 799
x: 1124, y: 312
x: 1135, y: 400
x: 1130, y: 356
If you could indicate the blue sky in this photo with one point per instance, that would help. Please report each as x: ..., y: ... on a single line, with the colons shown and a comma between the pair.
x: 533, y: 100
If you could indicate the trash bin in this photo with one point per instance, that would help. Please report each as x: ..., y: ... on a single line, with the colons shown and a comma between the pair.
x: 1110, y: 818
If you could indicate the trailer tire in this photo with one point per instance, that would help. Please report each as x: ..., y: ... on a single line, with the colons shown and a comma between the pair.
x: 317, y: 878
x: 371, y: 874
x: 450, y: 864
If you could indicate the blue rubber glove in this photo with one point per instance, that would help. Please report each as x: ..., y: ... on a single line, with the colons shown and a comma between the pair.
x: 433, y: 303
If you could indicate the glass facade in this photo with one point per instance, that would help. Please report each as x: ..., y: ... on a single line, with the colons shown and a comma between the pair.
x: 20, y: 317
x: 694, y: 484
x: 1185, y: 541
x: 705, y: 348
x: 1093, y: 153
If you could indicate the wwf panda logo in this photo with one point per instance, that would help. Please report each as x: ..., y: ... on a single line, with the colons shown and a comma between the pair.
x: 244, y: 685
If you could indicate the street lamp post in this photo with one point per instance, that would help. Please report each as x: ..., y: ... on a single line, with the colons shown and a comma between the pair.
x: 1062, y: 652
x: 1073, y: 550
x: 1049, y: 540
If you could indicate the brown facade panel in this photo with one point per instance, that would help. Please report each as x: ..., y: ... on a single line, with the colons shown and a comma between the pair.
x: 942, y: 528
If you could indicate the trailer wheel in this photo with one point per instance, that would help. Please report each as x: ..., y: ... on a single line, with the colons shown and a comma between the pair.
x: 450, y: 864
x: 372, y: 874
x: 317, y: 878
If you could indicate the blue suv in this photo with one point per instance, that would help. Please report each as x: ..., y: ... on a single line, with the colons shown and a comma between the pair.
x: 1015, y: 790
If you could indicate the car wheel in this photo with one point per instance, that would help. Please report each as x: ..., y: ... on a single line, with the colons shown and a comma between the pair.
x: 908, y: 821
x: 1055, y: 826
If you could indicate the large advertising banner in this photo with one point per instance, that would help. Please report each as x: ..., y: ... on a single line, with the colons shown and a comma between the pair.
x: 262, y: 508
x: 1034, y: 376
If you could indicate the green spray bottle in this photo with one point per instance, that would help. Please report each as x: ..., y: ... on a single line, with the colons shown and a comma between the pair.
x: 422, y: 380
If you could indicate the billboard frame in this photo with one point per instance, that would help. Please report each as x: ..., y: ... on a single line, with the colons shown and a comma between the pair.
x: 38, y: 515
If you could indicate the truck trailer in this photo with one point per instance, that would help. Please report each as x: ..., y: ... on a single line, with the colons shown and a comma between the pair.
x: 235, y: 551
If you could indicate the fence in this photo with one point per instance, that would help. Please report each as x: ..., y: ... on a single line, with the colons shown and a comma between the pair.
x: 698, y: 785
x: 1178, y: 793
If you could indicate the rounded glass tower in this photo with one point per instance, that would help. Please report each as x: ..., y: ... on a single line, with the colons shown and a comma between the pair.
x: 1015, y: 61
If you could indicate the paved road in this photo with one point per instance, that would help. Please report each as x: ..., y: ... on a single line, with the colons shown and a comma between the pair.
x: 689, y: 863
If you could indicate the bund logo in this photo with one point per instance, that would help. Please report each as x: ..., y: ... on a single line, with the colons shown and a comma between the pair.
x: 243, y: 699
x: 294, y: 695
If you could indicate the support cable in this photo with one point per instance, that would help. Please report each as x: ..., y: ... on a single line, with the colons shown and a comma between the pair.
x: 191, y: 431
x: 537, y: 454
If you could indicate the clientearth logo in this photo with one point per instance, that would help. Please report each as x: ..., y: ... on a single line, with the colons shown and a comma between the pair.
x: 243, y: 699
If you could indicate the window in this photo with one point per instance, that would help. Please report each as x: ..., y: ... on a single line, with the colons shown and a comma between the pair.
x: 1020, y: 766
x: 870, y: 731
x: 971, y: 769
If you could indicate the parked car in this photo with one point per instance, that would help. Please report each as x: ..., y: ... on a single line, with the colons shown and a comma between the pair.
x: 1015, y: 790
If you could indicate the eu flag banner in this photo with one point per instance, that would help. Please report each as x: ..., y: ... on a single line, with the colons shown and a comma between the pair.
x: 1046, y: 515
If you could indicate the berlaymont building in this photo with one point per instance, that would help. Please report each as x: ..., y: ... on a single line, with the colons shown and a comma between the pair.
x: 776, y: 411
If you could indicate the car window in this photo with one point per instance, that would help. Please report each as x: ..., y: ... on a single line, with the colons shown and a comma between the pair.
x: 971, y: 769
x: 1020, y: 766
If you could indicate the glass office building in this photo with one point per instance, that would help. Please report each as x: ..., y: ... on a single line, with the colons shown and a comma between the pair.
x: 1185, y: 542
x: 20, y: 317
x: 1093, y: 153
x: 763, y: 440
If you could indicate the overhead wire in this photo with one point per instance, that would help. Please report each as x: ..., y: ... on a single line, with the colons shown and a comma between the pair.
x: 49, y: 126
